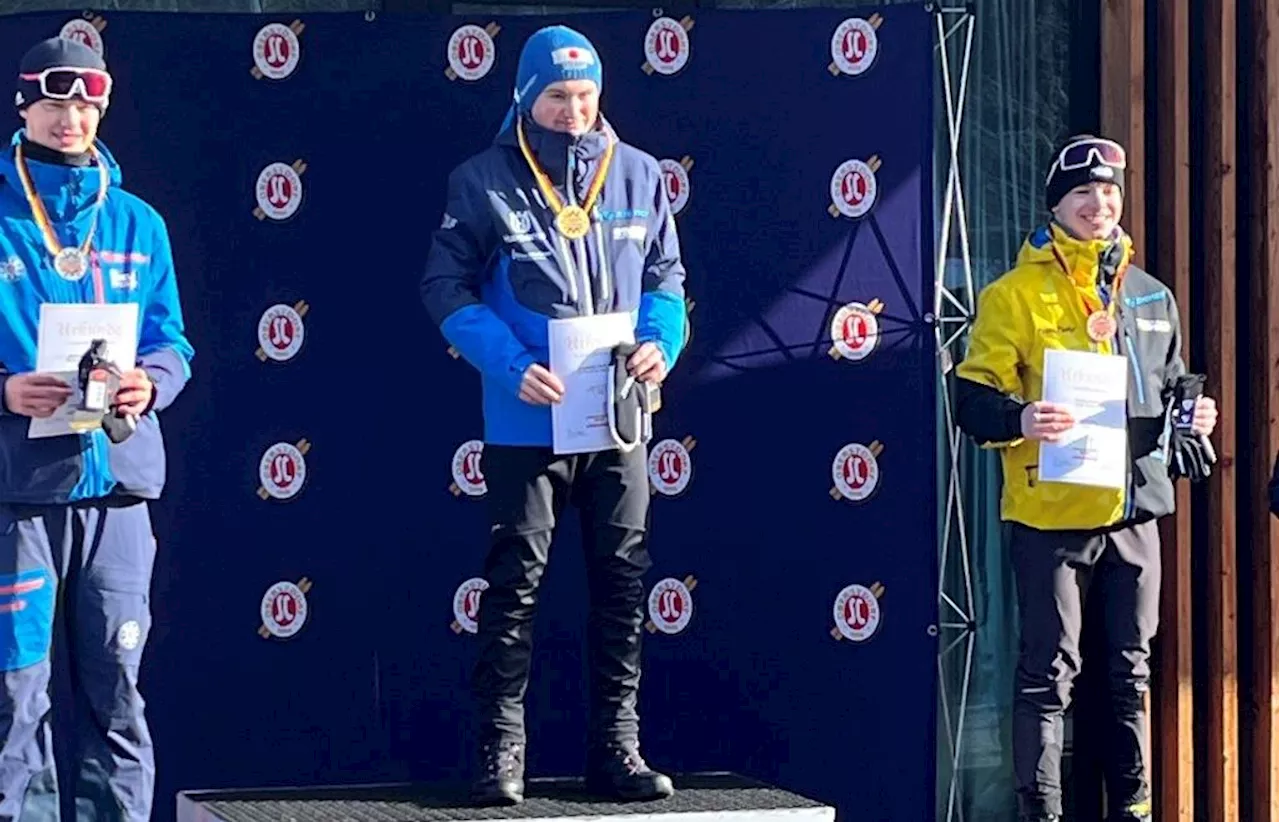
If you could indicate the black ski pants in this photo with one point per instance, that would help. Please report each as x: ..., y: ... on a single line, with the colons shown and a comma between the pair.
x: 1056, y: 571
x: 528, y: 489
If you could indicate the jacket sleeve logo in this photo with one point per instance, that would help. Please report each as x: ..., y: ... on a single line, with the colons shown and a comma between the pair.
x: 12, y: 270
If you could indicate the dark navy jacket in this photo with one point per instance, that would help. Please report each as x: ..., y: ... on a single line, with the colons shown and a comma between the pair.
x: 498, y: 269
x: 132, y: 263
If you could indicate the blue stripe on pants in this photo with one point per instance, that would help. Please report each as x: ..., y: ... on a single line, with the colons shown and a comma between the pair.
x: 93, y: 560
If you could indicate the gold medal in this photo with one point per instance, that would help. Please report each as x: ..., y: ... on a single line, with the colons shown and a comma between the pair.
x: 71, y: 263
x: 1101, y: 326
x: 572, y: 221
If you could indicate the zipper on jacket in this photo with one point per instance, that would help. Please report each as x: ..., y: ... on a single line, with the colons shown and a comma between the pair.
x: 565, y: 256
x: 570, y: 270
x: 579, y: 246
x: 91, y: 465
x: 606, y: 290
x: 1133, y: 363
x: 95, y: 456
x: 1129, y: 505
x: 588, y: 299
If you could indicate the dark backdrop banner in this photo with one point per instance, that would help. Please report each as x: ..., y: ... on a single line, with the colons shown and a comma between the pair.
x: 324, y: 524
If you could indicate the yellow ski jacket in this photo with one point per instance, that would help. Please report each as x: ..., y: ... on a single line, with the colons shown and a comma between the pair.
x: 1045, y: 302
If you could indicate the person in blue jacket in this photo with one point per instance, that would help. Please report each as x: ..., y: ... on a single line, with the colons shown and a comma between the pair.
x: 75, y: 535
x: 557, y: 218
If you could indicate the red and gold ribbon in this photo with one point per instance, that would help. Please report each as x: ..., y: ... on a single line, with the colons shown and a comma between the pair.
x: 1101, y: 323
x: 41, y: 216
x: 571, y: 221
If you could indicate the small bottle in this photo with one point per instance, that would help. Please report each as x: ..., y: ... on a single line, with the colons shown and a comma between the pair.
x: 93, y: 379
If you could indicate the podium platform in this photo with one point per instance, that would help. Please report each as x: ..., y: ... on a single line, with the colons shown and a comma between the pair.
x: 699, y: 797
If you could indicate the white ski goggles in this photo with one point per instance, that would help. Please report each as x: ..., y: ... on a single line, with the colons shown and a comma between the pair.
x: 66, y: 82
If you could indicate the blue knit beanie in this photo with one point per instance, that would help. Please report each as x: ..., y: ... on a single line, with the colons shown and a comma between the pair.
x: 551, y: 55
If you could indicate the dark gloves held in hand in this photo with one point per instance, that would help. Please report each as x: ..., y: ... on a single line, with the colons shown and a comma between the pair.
x: 1192, y: 455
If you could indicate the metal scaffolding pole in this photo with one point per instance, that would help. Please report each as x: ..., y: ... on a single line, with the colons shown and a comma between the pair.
x: 953, y: 309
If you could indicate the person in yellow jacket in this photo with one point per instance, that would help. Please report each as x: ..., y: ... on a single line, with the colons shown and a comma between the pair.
x: 1074, y: 287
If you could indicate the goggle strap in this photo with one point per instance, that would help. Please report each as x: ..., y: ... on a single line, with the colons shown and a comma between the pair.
x: 1092, y: 142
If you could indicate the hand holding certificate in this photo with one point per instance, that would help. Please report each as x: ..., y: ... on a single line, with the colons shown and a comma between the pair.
x: 66, y: 332
x: 581, y: 353
x: 1095, y: 450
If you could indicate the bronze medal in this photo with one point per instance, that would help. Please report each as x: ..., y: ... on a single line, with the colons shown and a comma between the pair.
x: 1101, y: 326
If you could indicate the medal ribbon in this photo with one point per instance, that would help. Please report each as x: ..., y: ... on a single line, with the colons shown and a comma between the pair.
x: 1110, y: 307
x: 42, y: 217
x: 544, y: 182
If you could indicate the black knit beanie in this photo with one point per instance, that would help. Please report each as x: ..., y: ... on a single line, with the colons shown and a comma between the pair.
x: 1059, y: 182
x: 52, y: 53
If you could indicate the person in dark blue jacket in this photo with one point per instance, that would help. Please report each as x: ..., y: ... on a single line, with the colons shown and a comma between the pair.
x: 75, y: 534
x: 557, y: 218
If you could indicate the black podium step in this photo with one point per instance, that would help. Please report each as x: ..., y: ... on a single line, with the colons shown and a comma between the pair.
x: 723, y: 797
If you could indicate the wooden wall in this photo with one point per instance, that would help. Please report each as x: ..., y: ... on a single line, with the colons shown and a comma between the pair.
x: 1190, y: 87
x: 1261, y: 556
x: 1216, y: 225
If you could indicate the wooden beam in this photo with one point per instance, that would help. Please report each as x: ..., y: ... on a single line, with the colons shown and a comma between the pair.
x: 1123, y: 109
x: 1122, y: 112
x: 1218, y: 231
x: 1263, y: 544
x: 1174, y: 685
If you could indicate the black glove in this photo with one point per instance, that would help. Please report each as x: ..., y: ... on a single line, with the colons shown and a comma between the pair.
x: 1191, y: 458
x: 1191, y: 454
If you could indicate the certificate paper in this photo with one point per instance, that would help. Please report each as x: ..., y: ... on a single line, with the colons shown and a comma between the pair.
x: 1096, y: 449
x: 581, y: 353
x: 66, y: 331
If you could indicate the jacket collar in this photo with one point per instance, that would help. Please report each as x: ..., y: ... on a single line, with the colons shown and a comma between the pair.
x: 67, y: 191
x: 1053, y: 245
x: 551, y: 148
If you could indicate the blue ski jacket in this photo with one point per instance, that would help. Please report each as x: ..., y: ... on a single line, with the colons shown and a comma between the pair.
x: 498, y: 269
x: 131, y: 262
